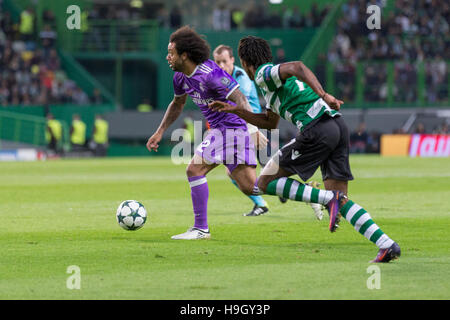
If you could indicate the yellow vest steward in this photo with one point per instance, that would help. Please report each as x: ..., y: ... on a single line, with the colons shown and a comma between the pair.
x: 79, y: 132
x: 84, y: 21
x: 26, y: 23
x: 56, y: 128
x: 101, y: 132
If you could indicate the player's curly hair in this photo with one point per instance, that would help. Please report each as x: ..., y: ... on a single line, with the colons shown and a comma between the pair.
x: 189, y: 41
x: 254, y: 51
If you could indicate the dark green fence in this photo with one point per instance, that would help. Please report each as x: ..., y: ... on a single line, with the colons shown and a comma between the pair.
x: 25, y: 128
x: 25, y: 123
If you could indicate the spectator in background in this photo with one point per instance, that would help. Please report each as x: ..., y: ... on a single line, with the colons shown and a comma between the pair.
x: 97, y: 97
x: 46, y: 76
x: 163, y: 17
x: 26, y: 25
x: 373, y: 142
x: 4, y: 93
x: 237, y: 18
x: 52, y: 61
x: 436, y: 79
x: 286, y: 16
x: 175, y: 17
x: 47, y: 37
x: 221, y: 17
x: 99, y: 142
x: 442, y: 129
x: 296, y: 19
x: 77, y: 133
x: 15, y: 99
x: 316, y: 15
x: 274, y: 20
x: 420, y: 128
x: 53, y: 134
x: 398, y: 131
x: 7, y: 25
x: 254, y: 16
x: 359, y: 139
x: 280, y: 56
x: 80, y: 97
x: 48, y: 17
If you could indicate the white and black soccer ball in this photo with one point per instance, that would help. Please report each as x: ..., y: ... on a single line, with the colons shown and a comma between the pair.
x: 131, y: 215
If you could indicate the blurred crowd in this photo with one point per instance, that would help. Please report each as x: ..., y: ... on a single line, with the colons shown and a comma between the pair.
x: 416, y: 30
x: 421, y: 128
x: 30, y: 67
x: 217, y: 15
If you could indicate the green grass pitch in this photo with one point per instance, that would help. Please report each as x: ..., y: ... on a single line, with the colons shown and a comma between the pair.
x: 57, y: 214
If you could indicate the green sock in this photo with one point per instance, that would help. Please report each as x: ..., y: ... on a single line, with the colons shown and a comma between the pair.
x: 363, y: 223
x: 292, y: 189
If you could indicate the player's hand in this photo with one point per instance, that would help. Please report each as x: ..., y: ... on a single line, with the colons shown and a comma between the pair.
x: 221, y: 106
x: 153, y: 142
x: 332, y: 101
x: 260, y: 141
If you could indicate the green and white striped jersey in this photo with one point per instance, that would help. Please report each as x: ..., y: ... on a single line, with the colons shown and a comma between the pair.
x: 294, y: 100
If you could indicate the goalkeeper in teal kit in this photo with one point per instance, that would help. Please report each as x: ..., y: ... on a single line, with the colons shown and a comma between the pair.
x: 223, y: 56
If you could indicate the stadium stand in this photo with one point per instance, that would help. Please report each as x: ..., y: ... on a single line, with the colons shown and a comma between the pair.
x: 30, y: 67
x: 391, y: 79
x: 405, y: 61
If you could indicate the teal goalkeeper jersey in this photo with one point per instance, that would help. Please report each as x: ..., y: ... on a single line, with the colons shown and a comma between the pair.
x: 294, y: 100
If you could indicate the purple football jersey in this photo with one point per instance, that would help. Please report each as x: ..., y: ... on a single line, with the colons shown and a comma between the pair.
x: 206, y: 84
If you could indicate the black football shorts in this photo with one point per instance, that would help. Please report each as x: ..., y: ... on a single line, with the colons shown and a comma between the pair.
x: 324, y: 143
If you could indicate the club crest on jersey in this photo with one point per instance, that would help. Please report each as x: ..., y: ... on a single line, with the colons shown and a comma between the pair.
x: 225, y: 81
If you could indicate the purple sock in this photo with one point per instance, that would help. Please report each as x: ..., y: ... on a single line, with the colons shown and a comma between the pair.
x: 199, y: 194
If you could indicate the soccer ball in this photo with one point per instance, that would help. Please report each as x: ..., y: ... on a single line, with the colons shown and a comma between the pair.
x: 131, y: 215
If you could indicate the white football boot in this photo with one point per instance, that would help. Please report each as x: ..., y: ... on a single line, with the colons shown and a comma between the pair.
x: 193, y: 234
x: 317, y: 207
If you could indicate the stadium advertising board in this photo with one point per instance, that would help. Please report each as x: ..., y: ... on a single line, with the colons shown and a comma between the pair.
x: 429, y: 145
x: 416, y: 145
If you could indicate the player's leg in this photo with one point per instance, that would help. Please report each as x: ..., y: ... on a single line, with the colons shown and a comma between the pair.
x: 274, y: 167
x: 260, y: 206
x: 274, y: 180
x: 245, y: 177
x: 336, y: 173
x: 317, y: 207
x: 333, y: 184
x: 303, y: 155
x: 196, y: 173
x: 268, y: 151
x: 241, y: 164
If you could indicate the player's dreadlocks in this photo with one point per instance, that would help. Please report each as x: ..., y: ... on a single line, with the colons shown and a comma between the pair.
x: 189, y: 41
x: 254, y: 51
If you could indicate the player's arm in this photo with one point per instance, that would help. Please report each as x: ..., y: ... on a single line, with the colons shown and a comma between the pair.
x: 258, y: 138
x: 303, y: 73
x: 267, y: 120
x: 172, y: 113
